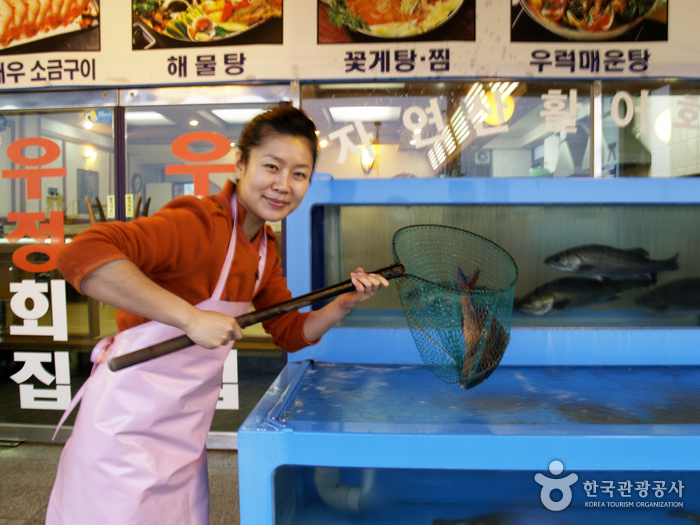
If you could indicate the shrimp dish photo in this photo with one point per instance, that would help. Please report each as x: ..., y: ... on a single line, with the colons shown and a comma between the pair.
x: 596, y: 18
x: 205, y: 20
x: 22, y: 21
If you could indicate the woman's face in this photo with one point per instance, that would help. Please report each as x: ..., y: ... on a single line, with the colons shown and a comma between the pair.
x: 274, y: 181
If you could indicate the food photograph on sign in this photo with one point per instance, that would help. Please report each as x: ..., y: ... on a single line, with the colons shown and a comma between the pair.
x: 196, y: 23
x: 589, y: 20
x: 31, y: 26
x: 343, y: 21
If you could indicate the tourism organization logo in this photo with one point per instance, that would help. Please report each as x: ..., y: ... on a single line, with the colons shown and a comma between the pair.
x: 616, y: 492
x: 549, y: 485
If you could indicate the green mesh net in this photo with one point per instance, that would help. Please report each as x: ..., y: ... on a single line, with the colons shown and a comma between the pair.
x: 457, y: 293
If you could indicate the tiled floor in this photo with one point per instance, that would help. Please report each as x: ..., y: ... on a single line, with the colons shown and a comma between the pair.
x: 27, y: 473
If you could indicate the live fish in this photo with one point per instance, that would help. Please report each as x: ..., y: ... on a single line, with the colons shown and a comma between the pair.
x: 573, y: 292
x: 681, y: 294
x: 474, y: 328
x: 600, y: 261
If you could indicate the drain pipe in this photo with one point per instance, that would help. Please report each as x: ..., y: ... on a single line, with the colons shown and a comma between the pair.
x: 334, y: 493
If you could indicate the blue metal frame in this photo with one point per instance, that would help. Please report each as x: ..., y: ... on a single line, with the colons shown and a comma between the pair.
x: 266, y: 443
x: 527, y: 346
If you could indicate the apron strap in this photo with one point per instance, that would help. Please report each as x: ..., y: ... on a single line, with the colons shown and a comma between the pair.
x: 223, y: 278
x: 263, y: 259
x: 96, y: 356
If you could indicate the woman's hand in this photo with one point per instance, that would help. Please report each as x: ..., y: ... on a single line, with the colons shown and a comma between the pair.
x: 124, y: 286
x: 320, y: 321
x: 212, y: 329
x: 366, y: 285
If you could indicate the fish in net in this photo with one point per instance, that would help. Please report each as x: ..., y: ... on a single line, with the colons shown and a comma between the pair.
x: 457, y: 293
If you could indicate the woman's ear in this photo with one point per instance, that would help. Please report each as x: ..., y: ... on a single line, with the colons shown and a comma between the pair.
x: 238, y: 162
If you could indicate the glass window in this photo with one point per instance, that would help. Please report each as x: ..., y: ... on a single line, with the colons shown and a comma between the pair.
x: 181, y: 150
x: 650, y: 130
x: 444, y: 129
x: 58, y: 175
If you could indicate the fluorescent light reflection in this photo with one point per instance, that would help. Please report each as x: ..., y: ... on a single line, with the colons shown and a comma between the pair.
x: 148, y: 118
x: 237, y: 116
x: 365, y: 113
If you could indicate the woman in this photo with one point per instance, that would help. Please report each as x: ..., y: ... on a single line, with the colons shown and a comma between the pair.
x: 137, y: 451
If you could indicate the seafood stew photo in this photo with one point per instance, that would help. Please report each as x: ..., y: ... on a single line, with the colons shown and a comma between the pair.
x: 591, y: 20
x: 391, y: 19
x: 205, y: 20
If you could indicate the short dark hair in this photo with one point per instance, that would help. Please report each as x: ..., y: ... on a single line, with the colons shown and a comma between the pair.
x: 281, y: 120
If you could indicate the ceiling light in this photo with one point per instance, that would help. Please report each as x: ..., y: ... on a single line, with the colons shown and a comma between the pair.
x: 194, y: 123
x: 365, y: 113
x: 148, y: 118
x: 663, y: 126
x: 87, y: 124
x: 323, y: 143
x: 238, y: 116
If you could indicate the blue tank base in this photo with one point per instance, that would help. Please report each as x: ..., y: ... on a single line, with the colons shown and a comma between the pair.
x: 436, y: 451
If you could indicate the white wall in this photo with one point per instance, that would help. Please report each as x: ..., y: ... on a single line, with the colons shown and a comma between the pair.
x: 511, y: 162
x: 389, y: 162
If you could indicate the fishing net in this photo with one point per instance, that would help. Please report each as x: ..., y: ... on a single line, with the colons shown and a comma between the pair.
x: 457, y: 293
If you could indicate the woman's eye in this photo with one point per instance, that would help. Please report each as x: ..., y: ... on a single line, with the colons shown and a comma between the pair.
x: 271, y: 167
x: 300, y: 175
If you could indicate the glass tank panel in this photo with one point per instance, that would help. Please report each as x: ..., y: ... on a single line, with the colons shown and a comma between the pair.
x: 311, y: 495
x: 625, y: 266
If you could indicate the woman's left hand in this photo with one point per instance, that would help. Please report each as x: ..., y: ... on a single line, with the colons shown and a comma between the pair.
x: 366, y: 285
x: 320, y: 321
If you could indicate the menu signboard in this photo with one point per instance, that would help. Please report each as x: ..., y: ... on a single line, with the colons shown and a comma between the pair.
x: 108, y: 43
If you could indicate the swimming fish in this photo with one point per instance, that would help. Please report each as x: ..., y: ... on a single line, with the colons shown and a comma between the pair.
x: 681, y: 294
x: 474, y: 328
x: 573, y: 292
x: 600, y: 261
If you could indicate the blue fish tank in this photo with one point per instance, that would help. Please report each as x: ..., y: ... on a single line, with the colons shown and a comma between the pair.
x: 591, y: 415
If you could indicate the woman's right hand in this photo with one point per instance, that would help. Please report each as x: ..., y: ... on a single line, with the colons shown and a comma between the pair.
x: 212, y: 329
x: 124, y: 286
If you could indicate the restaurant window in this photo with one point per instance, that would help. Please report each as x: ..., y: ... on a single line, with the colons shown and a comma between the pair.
x: 58, y: 177
x: 650, y: 129
x: 452, y: 129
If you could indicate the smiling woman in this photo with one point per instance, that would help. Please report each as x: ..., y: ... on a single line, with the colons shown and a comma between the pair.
x: 191, y: 269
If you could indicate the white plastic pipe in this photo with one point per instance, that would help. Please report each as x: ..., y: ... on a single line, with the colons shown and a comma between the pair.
x: 334, y: 493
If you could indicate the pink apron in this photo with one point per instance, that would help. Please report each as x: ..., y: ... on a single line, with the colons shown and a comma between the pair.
x: 137, y: 453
